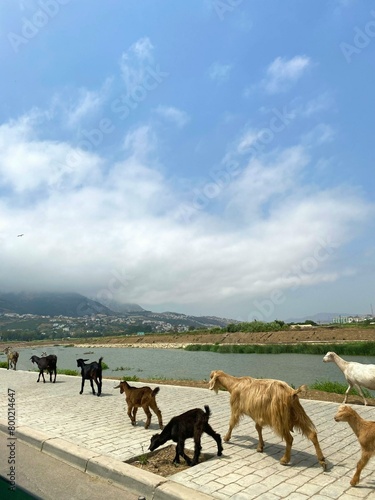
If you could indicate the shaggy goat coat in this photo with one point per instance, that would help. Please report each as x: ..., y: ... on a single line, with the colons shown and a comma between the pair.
x: 270, y: 403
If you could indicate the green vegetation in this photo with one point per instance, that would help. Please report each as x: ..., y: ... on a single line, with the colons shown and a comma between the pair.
x: 347, y: 349
x: 3, y: 364
x: 337, y: 388
x: 104, y: 366
x: 68, y: 372
x: 143, y: 459
x: 257, y: 326
x: 131, y: 378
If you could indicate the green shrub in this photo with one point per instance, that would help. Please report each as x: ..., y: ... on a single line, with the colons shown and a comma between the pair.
x: 337, y: 388
x: 131, y: 378
x: 67, y: 372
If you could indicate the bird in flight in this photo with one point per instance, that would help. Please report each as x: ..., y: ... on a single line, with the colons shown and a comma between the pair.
x: 19, y: 235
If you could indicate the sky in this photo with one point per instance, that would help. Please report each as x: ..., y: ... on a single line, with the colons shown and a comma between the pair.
x: 209, y: 157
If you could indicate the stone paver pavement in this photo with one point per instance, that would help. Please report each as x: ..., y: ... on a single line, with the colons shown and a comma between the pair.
x: 101, y: 426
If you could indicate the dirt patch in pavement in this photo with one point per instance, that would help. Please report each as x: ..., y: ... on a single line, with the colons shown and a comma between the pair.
x: 161, y: 461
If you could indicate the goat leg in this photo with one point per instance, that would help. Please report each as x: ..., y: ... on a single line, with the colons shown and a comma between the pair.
x: 157, y: 412
x: 92, y: 386
x: 314, y: 439
x: 209, y: 430
x: 148, y: 413
x: 285, y: 459
x: 180, y: 451
x: 197, y: 450
x: 234, y: 418
x: 260, y: 446
x: 360, y: 465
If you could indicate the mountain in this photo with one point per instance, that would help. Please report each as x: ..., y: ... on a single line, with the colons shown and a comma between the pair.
x: 77, y: 305
x: 123, y: 308
x: 51, y: 304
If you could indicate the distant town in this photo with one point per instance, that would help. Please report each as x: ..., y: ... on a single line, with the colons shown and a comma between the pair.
x: 32, y: 326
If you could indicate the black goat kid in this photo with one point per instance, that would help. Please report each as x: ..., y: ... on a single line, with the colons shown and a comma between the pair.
x: 190, y: 424
x: 91, y: 371
x: 48, y: 363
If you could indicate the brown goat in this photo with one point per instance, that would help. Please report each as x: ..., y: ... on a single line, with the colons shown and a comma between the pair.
x: 137, y: 397
x: 12, y: 358
x: 270, y: 403
x: 365, y: 432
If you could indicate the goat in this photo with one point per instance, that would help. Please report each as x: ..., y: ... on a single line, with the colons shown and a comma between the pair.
x: 92, y: 372
x: 140, y: 397
x: 270, y: 403
x: 365, y: 432
x: 46, y: 363
x: 356, y: 374
x: 190, y: 424
x: 12, y: 358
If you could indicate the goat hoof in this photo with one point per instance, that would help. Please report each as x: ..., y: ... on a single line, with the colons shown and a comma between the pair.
x: 80, y: 392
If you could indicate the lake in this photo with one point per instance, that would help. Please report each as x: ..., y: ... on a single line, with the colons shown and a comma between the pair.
x: 295, y: 369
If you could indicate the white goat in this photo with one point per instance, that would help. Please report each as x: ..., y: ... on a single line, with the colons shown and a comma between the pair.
x: 356, y: 374
x: 365, y: 432
x: 270, y: 403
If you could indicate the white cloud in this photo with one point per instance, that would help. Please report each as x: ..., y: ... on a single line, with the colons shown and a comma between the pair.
x: 134, y: 63
x: 27, y: 163
x: 118, y: 219
x: 219, y: 72
x: 174, y: 115
x: 88, y: 102
x: 248, y: 140
x: 282, y: 73
x: 320, y: 134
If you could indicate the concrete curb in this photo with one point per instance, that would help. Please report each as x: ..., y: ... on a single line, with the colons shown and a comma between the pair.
x: 122, y: 474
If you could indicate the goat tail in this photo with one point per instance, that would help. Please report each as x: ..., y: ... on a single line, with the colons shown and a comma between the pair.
x: 100, y: 360
x: 208, y: 411
x: 155, y: 391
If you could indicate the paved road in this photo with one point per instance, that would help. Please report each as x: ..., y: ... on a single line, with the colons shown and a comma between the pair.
x: 42, y: 476
x: 95, y: 435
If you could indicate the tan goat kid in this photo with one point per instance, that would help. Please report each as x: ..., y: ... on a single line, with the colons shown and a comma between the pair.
x: 12, y: 358
x: 268, y: 402
x: 365, y: 432
x: 141, y: 397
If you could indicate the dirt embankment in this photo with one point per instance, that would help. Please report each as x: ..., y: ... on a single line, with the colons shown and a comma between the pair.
x: 318, y: 334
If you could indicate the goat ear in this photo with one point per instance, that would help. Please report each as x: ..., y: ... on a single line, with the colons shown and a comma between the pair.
x: 212, y: 382
x: 117, y: 387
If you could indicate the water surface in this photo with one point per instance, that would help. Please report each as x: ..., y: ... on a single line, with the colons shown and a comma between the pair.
x: 295, y: 369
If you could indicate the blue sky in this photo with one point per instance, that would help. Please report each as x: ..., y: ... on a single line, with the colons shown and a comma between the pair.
x: 209, y: 157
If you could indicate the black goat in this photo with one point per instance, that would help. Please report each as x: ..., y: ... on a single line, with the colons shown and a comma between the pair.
x: 48, y: 363
x: 91, y: 371
x: 190, y: 424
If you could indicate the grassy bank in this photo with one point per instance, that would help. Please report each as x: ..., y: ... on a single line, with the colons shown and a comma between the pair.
x: 347, y: 349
